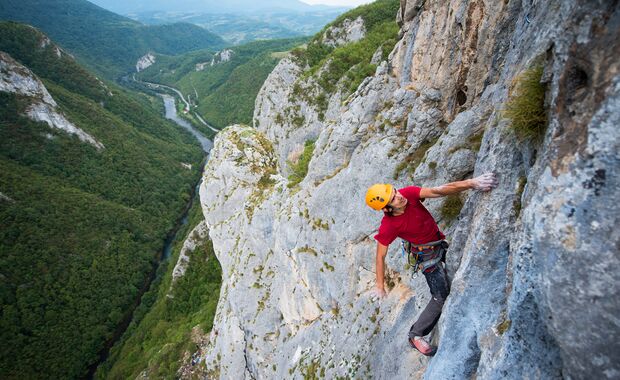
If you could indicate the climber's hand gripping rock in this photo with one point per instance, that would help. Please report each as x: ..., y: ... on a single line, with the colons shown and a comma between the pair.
x: 485, y: 182
x: 377, y: 294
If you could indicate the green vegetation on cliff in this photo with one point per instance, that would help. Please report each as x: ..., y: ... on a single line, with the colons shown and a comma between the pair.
x: 107, y: 42
x: 83, y: 227
x: 226, y: 91
x: 352, y: 61
x: 526, y: 105
x: 299, y: 169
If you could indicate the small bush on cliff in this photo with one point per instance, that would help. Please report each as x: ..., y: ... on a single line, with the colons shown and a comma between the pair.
x: 526, y: 105
x: 300, y: 168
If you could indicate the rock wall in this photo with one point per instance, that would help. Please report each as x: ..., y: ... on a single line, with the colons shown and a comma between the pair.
x: 19, y: 80
x: 195, y: 238
x: 145, y: 62
x: 344, y: 33
x: 534, y: 264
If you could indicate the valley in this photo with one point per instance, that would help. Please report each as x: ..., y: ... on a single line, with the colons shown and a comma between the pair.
x: 184, y: 194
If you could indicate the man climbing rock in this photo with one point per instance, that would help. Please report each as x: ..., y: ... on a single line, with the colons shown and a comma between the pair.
x: 405, y: 217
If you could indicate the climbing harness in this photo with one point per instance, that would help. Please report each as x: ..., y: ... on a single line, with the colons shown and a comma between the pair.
x: 423, y: 257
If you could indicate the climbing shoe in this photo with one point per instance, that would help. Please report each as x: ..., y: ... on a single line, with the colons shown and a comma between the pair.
x: 421, y: 345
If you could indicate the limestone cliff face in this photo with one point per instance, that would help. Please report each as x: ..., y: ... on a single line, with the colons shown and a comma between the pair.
x: 18, y: 79
x: 145, y: 62
x: 348, y: 31
x: 534, y: 263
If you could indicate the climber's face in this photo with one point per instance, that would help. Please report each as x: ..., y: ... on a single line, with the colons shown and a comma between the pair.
x: 397, y: 200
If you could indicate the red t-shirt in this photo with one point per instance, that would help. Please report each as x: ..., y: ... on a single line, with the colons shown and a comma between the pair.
x: 416, y: 225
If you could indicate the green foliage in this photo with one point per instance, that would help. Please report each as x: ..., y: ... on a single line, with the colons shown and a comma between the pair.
x: 321, y: 104
x: 451, y: 207
x: 107, y: 42
x: 373, y: 14
x: 157, y: 340
x: 526, y: 105
x: 226, y: 91
x: 86, y: 226
x: 310, y: 371
x: 306, y: 249
x: 351, y: 61
x: 298, y: 120
x: 336, y: 310
x: 312, y: 54
x: 300, y: 168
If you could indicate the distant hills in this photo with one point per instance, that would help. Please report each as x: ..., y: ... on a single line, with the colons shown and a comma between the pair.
x: 207, y: 6
x: 105, y: 41
x: 223, y: 93
x: 240, y: 28
x: 238, y: 21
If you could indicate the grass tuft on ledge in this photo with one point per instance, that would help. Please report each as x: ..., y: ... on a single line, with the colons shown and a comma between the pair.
x: 526, y: 104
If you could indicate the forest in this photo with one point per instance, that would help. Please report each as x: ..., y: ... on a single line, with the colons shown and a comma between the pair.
x: 81, y: 228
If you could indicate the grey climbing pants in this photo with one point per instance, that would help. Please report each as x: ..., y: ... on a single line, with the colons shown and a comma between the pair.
x: 438, y: 283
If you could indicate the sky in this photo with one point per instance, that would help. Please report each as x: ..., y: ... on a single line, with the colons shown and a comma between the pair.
x: 338, y: 2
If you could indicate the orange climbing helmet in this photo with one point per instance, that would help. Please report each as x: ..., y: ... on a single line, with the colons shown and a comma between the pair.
x: 378, y: 195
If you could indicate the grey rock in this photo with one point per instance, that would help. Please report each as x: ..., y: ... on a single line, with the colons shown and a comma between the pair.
x: 376, y: 57
x: 221, y: 56
x: 192, y: 241
x: 145, y: 62
x: 346, y: 32
x: 298, y: 263
x: 18, y: 79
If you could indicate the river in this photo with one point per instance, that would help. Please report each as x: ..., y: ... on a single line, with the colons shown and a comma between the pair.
x: 169, y: 101
x: 206, y: 144
x: 171, y: 113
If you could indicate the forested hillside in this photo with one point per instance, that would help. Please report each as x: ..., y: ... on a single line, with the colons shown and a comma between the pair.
x: 225, y: 90
x: 178, y: 312
x: 107, y: 42
x: 350, y: 63
x: 80, y: 227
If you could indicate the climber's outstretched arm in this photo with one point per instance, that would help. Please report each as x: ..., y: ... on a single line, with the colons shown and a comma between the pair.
x: 484, y: 182
x: 380, y: 268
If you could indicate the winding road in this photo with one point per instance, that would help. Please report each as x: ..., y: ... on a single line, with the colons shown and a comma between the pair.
x: 187, y: 106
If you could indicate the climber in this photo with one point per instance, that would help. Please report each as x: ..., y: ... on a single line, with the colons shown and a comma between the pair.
x: 406, y: 217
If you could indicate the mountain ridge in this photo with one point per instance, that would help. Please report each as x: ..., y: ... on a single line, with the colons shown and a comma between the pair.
x: 210, y: 6
x: 107, y: 42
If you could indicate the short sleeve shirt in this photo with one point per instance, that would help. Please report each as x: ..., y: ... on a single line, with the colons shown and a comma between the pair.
x: 415, y: 225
